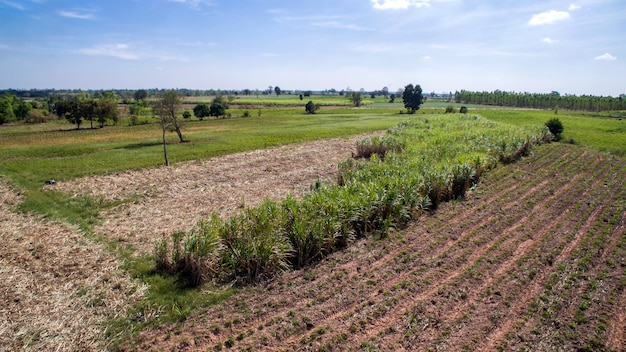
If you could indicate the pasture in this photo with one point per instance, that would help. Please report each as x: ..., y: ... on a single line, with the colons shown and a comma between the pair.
x: 550, y: 226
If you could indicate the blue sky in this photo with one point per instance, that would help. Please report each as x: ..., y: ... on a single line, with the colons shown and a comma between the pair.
x: 574, y: 47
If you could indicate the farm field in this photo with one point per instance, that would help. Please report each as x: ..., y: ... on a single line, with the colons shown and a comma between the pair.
x: 532, y: 259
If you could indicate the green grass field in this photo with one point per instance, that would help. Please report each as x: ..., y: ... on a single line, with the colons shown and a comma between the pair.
x: 56, y: 150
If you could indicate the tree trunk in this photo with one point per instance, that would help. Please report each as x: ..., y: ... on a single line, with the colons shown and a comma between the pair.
x: 167, y: 162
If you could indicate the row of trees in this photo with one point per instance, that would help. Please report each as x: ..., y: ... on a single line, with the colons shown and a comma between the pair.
x: 76, y: 110
x: 14, y: 109
x: 542, y: 101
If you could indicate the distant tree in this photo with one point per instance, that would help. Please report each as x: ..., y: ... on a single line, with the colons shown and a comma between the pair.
x: 220, y: 99
x: 385, y: 92
x: 412, y: 97
x: 392, y: 98
x: 6, y: 109
x: 311, y: 108
x: 556, y: 128
x: 277, y: 90
x: 201, y: 111
x: 141, y: 94
x: 217, y: 109
x: 301, y: 96
x: 269, y: 90
x: 463, y: 110
x: 106, y: 108
x: 356, y: 98
x: 186, y: 114
x: 22, y: 109
x: 450, y: 109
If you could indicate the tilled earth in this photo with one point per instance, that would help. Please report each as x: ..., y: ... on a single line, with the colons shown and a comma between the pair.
x: 532, y: 259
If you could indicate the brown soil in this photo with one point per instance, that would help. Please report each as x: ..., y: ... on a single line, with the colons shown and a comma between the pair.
x: 500, y: 269
x: 57, y: 287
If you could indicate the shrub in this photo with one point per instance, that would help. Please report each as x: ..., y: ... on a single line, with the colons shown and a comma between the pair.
x: 463, y: 110
x: 556, y: 128
x: 450, y: 109
x: 311, y: 108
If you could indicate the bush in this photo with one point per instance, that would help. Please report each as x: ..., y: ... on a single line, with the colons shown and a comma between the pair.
x: 556, y: 128
x: 450, y: 109
x: 311, y: 108
x: 463, y: 110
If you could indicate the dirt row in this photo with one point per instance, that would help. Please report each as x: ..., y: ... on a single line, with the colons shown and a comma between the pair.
x: 532, y: 259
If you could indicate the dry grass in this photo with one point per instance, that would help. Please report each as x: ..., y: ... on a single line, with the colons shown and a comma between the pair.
x: 57, y: 287
x: 176, y: 198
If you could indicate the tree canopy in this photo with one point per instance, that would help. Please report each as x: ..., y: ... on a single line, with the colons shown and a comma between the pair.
x: 412, y: 97
x: 201, y: 111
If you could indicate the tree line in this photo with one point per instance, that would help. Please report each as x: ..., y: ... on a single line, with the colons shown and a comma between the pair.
x: 553, y: 100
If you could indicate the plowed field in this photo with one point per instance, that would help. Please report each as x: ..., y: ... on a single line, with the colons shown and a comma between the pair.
x: 533, y: 259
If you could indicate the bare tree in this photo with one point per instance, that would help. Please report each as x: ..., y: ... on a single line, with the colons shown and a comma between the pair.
x: 165, y: 107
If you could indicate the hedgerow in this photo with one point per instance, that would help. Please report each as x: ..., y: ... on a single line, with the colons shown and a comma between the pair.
x: 416, y: 166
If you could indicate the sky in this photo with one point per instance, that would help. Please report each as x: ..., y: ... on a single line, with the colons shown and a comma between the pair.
x: 572, y: 47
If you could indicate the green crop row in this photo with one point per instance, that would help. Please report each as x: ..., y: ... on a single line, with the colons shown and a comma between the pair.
x: 416, y: 166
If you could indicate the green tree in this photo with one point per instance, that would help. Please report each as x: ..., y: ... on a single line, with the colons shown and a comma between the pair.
x: 22, y: 109
x: 311, y: 108
x: 186, y: 114
x: 106, y: 109
x: 140, y: 94
x: 6, y: 109
x: 217, y: 109
x: 412, y: 97
x: 556, y: 128
x: 356, y: 98
x: 201, y: 111
x: 277, y: 90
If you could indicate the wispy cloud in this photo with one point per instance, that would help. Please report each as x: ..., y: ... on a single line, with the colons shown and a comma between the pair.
x: 573, y: 7
x: 194, y: 4
x: 80, y: 15
x: 270, y: 55
x: 119, y: 51
x: 399, y: 4
x: 13, y: 5
x: 605, y: 57
x: 548, y: 17
x: 339, y: 25
x: 548, y: 40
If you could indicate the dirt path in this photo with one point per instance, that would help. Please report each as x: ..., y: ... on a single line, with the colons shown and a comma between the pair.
x: 479, y: 274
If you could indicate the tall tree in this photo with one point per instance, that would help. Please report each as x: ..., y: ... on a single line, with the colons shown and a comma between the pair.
x: 412, y: 97
x: 277, y: 90
x: 141, y: 94
x: 385, y: 92
x: 201, y: 111
x: 170, y: 104
x: 355, y: 97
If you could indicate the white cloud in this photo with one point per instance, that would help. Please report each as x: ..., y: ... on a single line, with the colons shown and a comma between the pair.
x: 399, y: 4
x: 13, y: 5
x: 426, y: 58
x: 548, y: 17
x: 85, y: 15
x: 573, y: 7
x: 548, y: 40
x: 338, y: 25
x: 194, y: 4
x: 116, y: 50
x: 605, y: 57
